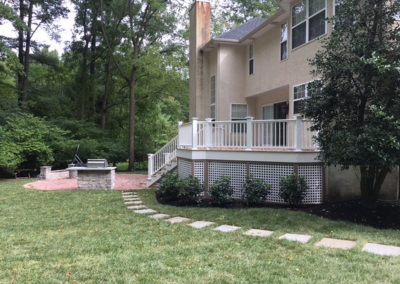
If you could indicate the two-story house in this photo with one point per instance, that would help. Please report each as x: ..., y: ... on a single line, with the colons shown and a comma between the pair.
x: 246, y: 90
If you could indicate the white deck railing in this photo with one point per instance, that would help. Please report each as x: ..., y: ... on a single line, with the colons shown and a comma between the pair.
x: 292, y: 134
x: 162, y: 157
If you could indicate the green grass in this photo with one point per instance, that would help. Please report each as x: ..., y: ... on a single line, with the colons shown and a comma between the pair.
x: 123, y: 168
x: 90, y: 236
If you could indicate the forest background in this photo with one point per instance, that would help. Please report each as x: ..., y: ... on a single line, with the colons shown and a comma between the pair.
x: 117, y: 90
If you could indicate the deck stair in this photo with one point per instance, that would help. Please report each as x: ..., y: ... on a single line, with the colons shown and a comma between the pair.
x: 163, y: 161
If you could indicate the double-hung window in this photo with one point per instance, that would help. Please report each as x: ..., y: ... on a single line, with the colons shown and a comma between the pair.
x: 238, y: 113
x: 308, y: 21
x: 251, y: 59
x: 299, y: 94
x: 284, y: 39
x: 212, y: 98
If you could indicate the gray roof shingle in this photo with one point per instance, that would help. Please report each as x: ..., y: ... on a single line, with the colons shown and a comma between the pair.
x: 241, y: 31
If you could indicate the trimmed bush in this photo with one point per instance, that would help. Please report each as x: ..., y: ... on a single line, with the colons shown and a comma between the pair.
x: 255, y: 190
x: 293, y: 189
x: 168, y: 189
x: 183, y: 191
x: 221, y: 190
x: 189, y: 189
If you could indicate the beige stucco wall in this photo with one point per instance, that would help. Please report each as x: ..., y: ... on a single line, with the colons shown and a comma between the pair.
x: 345, y: 185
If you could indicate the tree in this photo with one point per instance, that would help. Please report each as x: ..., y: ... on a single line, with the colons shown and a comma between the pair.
x: 32, y: 15
x: 144, y: 23
x: 355, y: 104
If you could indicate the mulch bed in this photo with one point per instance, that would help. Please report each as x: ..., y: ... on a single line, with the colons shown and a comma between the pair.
x: 386, y: 214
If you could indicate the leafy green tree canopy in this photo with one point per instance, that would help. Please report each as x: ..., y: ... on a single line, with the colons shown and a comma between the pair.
x: 355, y: 104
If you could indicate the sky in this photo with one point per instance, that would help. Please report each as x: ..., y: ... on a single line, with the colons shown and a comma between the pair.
x: 67, y: 25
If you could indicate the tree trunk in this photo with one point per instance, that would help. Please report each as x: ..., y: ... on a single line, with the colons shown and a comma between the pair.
x: 86, y: 37
x: 92, y: 65
x: 371, y: 182
x: 27, y: 55
x: 20, y: 50
x: 105, y: 95
x: 132, y: 104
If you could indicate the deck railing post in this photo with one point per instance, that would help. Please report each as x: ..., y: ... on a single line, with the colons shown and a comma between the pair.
x: 150, y: 166
x: 180, y: 123
x: 208, y: 133
x: 298, y: 133
x: 194, y: 132
x: 249, y: 133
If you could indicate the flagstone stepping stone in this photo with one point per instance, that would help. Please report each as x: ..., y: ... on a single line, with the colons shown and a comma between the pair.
x: 132, y: 199
x: 226, y: 228
x: 136, y: 202
x: 200, y: 224
x: 336, y: 243
x: 296, y: 238
x: 145, y: 211
x: 177, y: 220
x: 159, y: 216
x: 136, y: 207
x: 258, y: 233
x: 382, y: 249
x: 130, y: 202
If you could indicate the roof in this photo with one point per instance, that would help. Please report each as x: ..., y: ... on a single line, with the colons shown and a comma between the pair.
x: 243, y: 30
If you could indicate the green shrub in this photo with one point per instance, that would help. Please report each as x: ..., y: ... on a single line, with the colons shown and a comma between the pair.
x: 184, y: 191
x: 255, y: 190
x: 293, y: 189
x: 168, y: 189
x: 189, y: 189
x: 221, y: 190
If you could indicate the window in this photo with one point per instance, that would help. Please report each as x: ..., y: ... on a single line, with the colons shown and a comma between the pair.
x: 251, y: 59
x: 238, y: 113
x: 284, y: 37
x: 212, y: 96
x: 308, y: 21
x: 299, y: 94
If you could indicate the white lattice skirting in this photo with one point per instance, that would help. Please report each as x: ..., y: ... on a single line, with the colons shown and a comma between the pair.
x: 209, y: 171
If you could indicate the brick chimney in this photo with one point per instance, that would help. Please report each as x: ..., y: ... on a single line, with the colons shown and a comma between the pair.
x: 200, y: 34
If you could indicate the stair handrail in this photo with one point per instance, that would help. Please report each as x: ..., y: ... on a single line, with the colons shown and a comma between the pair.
x: 162, y: 157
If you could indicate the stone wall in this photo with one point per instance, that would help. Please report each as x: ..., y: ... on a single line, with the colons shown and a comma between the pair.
x: 47, y: 174
x: 96, y: 179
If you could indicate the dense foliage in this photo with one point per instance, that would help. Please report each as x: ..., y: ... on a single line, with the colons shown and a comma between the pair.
x: 292, y: 189
x: 221, y: 190
x: 182, y: 191
x: 355, y: 104
x: 255, y: 190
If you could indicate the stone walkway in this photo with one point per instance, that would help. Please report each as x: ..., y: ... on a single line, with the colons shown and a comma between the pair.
x: 122, y: 182
x: 373, y: 248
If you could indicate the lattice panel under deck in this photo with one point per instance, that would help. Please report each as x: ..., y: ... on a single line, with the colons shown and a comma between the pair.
x: 314, y: 179
x: 271, y: 174
x: 235, y: 170
x: 184, y: 168
x: 199, y: 172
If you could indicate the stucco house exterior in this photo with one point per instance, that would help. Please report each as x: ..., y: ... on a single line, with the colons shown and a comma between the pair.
x: 246, y: 90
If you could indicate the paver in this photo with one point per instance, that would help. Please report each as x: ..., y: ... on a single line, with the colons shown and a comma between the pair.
x: 177, y: 220
x: 258, y: 233
x: 136, y: 202
x: 226, y: 228
x: 200, y: 224
x: 145, y: 211
x: 132, y: 199
x: 159, y: 216
x: 130, y: 202
x: 296, y: 238
x: 336, y: 243
x: 136, y: 207
x: 382, y: 249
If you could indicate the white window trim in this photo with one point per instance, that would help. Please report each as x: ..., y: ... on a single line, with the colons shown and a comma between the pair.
x: 305, y: 95
x: 287, y: 43
x: 230, y: 109
x: 215, y: 97
x: 307, y: 23
x: 251, y: 46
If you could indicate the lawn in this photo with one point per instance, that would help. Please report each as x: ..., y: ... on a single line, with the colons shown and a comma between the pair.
x: 90, y: 236
x: 141, y: 168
